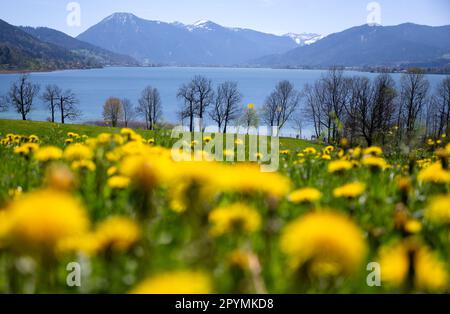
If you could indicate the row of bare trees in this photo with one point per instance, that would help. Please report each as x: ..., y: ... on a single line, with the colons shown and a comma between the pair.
x: 22, y: 97
x: 225, y: 104
x: 149, y: 107
x: 337, y: 105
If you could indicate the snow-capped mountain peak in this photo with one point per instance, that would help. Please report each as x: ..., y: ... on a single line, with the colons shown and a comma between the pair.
x: 304, y: 39
x: 205, y: 25
x: 122, y: 18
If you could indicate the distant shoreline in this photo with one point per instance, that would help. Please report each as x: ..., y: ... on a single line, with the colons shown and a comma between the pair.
x: 355, y: 69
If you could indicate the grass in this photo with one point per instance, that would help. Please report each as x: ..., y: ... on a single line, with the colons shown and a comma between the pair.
x: 57, y: 132
x: 227, y: 228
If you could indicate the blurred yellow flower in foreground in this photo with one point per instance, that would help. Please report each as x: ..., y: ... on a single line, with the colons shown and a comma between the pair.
x: 236, y: 217
x: 78, y: 152
x: 350, y: 190
x: 330, y: 243
x: 305, y: 195
x: 429, y: 273
x: 39, y: 220
x: 439, y: 209
x: 48, y: 153
x: 339, y: 165
x: 180, y: 282
x: 375, y: 162
x: 117, y: 233
x: 373, y: 150
x: 83, y: 164
x: 26, y: 149
x: 118, y: 182
x: 434, y: 173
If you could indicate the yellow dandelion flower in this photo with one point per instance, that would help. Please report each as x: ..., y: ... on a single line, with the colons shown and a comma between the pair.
x: 439, y: 209
x: 78, y: 152
x: 355, y: 152
x: 207, y: 139
x: 84, y: 164
x: 26, y: 149
x: 350, y: 190
x: 305, y: 195
x: 117, y: 234
x: 328, y: 149
x: 237, y: 217
x: 48, y: 153
x: 413, y: 226
x: 250, y: 106
x: 118, y: 182
x: 86, y: 243
x: 112, y: 171
x: 375, y: 162
x: 428, y: 270
x: 43, y: 218
x: 324, y: 240
x: 33, y: 139
x: 326, y: 157
x: 127, y: 132
x: 179, y: 282
x: 434, y: 173
x: 373, y: 150
x: 73, y: 135
x: 310, y: 151
x: 339, y: 166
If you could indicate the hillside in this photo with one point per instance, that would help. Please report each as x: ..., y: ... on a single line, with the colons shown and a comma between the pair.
x: 21, y: 51
x: 401, y: 45
x: 80, y: 48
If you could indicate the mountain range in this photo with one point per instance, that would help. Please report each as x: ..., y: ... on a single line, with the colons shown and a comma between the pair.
x: 202, y: 43
x: 123, y: 39
x: 402, y: 45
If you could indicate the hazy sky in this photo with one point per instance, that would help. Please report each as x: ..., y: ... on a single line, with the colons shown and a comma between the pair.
x: 272, y: 16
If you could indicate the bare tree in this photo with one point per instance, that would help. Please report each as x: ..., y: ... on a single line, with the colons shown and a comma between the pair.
x: 3, y: 103
x: 50, y: 97
x: 150, y: 106
x: 442, y: 103
x: 112, y: 111
x: 249, y: 117
x: 68, y: 106
x: 326, y: 103
x: 129, y: 111
x: 187, y: 93
x: 313, y: 107
x: 281, y: 104
x: 226, y: 105
x: 371, y: 108
x: 414, y: 92
x: 433, y: 118
x: 203, y: 95
x: 21, y: 95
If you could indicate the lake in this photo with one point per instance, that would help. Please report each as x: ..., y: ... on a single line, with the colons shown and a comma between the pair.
x: 93, y: 87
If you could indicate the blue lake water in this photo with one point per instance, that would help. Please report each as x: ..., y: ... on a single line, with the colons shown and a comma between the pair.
x: 93, y: 87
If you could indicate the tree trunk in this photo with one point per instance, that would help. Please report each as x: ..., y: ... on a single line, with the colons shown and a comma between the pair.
x: 61, y: 108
